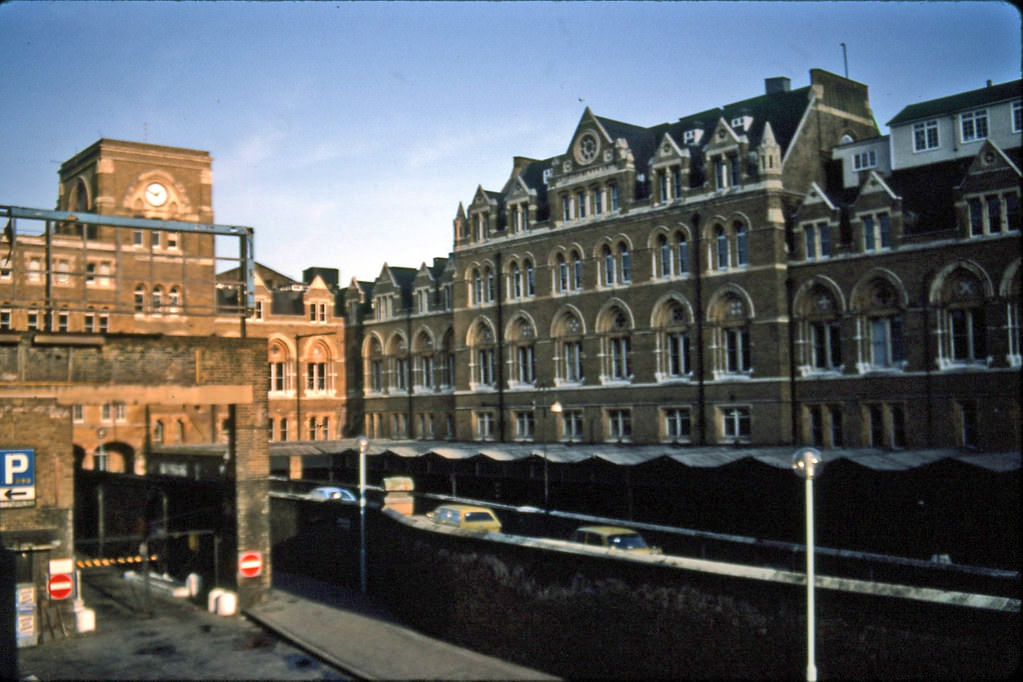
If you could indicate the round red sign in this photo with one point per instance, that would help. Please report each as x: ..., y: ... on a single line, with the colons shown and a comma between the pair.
x: 60, y: 586
x: 250, y: 564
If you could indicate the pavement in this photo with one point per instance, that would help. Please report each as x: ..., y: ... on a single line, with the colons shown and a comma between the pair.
x: 305, y: 630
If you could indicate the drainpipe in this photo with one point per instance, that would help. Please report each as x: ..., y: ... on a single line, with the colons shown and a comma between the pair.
x: 499, y: 355
x: 793, y: 398
x: 701, y: 418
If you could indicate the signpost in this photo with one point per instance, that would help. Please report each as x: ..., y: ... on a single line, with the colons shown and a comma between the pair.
x: 17, y: 478
x: 60, y: 586
x: 250, y: 564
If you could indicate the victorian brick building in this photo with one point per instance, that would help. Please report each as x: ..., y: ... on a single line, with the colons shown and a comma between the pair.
x: 85, y: 281
x: 772, y: 271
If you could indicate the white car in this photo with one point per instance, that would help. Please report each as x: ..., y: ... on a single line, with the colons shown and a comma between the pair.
x: 331, y: 493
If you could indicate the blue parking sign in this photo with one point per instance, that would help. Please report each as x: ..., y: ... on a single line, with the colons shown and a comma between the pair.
x: 17, y: 478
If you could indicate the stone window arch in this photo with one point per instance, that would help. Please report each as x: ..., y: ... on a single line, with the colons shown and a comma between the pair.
x: 568, y: 332
x: 614, y: 325
x: 818, y: 311
x: 521, y: 337
x: 398, y: 362
x: 960, y: 294
x: 482, y: 355
x: 879, y: 303
x: 423, y: 364
x: 375, y: 369
x: 282, y: 367
x: 730, y: 316
x: 672, y: 322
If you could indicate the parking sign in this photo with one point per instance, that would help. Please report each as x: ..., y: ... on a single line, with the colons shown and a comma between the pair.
x: 17, y: 478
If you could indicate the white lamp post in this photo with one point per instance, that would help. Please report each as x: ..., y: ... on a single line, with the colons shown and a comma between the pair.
x: 807, y: 463
x: 555, y: 409
x: 363, y: 444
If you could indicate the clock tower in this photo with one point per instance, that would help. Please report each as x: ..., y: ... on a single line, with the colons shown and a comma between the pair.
x: 144, y: 280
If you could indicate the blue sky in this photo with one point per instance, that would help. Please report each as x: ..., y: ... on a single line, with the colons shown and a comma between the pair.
x: 347, y: 133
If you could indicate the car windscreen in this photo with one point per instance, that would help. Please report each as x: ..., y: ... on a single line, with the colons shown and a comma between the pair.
x: 630, y: 541
x: 478, y: 516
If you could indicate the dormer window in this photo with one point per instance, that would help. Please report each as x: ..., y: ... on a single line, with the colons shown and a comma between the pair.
x: 925, y: 136
x: 973, y: 125
x: 692, y: 136
x: 864, y: 160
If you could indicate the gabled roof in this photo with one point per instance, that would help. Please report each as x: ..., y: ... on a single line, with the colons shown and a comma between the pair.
x: 964, y: 100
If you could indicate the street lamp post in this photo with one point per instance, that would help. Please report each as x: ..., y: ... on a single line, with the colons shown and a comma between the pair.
x: 555, y: 409
x: 363, y: 444
x: 806, y: 462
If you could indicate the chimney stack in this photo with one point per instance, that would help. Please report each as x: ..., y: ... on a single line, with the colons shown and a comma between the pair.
x: 773, y: 86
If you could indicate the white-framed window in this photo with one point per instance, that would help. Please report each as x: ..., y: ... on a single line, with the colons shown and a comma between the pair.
x: 865, y: 159
x: 572, y: 426
x: 616, y: 344
x: 824, y: 425
x: 967, y: 425
x: 731, y: 337
x: 279, y: 377
x: 613, y: 194
x: 619, y: 424
x: 608, y: 262
x: 5, y: 320
x: 993, y: 213
x: 173, y: 240
x: 35, y: 267
x: 484, y: 425
x: 925, y: 136
x: 77, y: 413
x: 33, y: 320
x: 973, y: 125
x: 598, y: 201
x: 877, y: 232
x: 1017, y: 116
x: 283, y: 430
x: 63, y: 319
x: 524, y: 425
x: 561, y: 276
x: 138, y: 238
x: 139, y: 298
x: 577, y: 271
x: 63, y: 275
x: 885, y: 425
x: 316, y: 378
x: 962, y: 332
x: 677, y: 424
x: 817, y: 241
x: 885, y: 337
x: 720, y: 247
x: 735, y: 424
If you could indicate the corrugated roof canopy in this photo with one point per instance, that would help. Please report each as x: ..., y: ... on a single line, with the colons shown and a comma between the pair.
x: 631, y: 455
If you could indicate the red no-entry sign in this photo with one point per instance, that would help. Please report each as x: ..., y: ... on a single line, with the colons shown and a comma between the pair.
x: 250, y: 564
x: 60, y: 586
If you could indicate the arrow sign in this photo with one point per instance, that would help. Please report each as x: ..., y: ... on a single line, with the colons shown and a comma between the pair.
x: 60, y: 586
x: 12, y: 493
x: 250, y: 564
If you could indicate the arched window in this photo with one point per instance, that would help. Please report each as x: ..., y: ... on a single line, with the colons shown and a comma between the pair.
x: 482, y: 359
x: 962, y: 332
x: 626, y: 262
x: 731, y: 334
x: 158, y: 431
x: 672, y: 323
x: 477, y: 287
x: 682, y: 253
x: 281, y: 368
x: 615, y: 328
x: 721, y: 247
x: 157, y: 298
x: 663, y: 256
x: 562, y: 277
x: 880, y: 326
x: 490, y: 294
x: 741, y: 244
x: 319, y: 369
x: 819, y: 329
x: 516, y: 281
x: 568, y: 349
x: 375, y: 365
x: 530, y: 284
x: 522, y: 340
x: 608, y: 259
x: 174, y: 299
x: 422, y: 350
x: 447, y: 361
x: 398, y: 361
x: 577, y: 271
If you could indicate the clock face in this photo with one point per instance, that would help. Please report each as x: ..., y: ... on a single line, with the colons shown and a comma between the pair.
x: 156, y: 194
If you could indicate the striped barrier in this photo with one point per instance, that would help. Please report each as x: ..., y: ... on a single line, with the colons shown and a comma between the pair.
x: 106, y: 562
